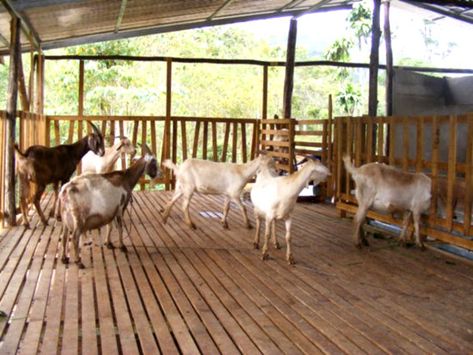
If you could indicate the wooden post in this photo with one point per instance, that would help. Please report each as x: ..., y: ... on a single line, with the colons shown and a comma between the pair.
x: 374, y: 61
x: 167, y: 122
x: 40, y: 87
x: 10, y: 210
x: 389, y: 60
x: 290, y: 59
x: 21, y: 86
x: 264, y: 113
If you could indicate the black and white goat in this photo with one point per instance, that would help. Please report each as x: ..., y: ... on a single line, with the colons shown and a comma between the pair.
x: 94, y: 200
x: 40, y: 166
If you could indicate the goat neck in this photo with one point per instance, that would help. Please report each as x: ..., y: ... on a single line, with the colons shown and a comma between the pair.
x: 134, y: 172
x: 249, y: 169
x: 300, y: 178
x: 80, y: 148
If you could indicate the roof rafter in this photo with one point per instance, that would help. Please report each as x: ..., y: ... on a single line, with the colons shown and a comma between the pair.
x: 220, y: 8
x: 440, y: 11
x: 121, y: 13
x: 26, y: 26
x: 21, y: 5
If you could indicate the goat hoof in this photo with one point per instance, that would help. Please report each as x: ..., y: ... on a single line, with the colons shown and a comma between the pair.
x: 26, y: 225
x: 358, y: 245
x: 225, y: 225
x: 365, y: 243
x: 277, y: 246
x: 65, y: 260
x: 265, y: 257
x: 249, y: 226
x: 123, y: 249
x: 192, y: 225
x: 80, y: 265
x: 58, y: 218
x: 110, y: 245
x: 422, y: 247
x: 255, y: 245
x: 290, y: 260
x: 45, y: 222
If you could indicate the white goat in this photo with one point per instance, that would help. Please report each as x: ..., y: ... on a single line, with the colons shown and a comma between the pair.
x: 92, y: 163
x: 208, y: 177
x: 274, y: 198
x: 388, y: 189
x: 93, y: 200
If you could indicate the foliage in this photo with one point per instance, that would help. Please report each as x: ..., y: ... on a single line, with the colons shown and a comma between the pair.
x: 349, y: 99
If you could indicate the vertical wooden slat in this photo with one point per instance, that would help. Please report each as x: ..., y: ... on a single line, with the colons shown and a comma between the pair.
x: 70, y: 136
x: 174, y: 139
x: 468, y: 177
x: 122, y: 134
x: 81, y: 98
x: 31, y: 85
x: 435, y: 167
x: 358, y: 140
x: 405, y: 143
x: 374, y: 60
x: 452, y: 166
x: 112, y: 130
x: 243, y: 143
x: 391, y: 131
x: 214, y: 141
x: 324, y: 143
x: 154, y: 147
x: 419, y: 144
x: 134, y: 138
x: 144, y: 135
x: 349, y: 140
x: 330, y: 148
x: 57, y: 134
x: 254, y: 140
x: 205, y: 140
x: 234, y: 142
x: 389, y: 59
x: 39, y: 98
x: 196, y: 139
x: 2, y: 165
x: 225, y: 142
x: 380, y: 144
x: 184, y: 139
x: 369, y: 140
x: 290, y: 65
x: 291, y: 129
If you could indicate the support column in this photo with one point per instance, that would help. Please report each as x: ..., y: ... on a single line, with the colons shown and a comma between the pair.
x: 11, y: 121
x: 374, y: 60
x: 290, y: 60
x: 389, y: 60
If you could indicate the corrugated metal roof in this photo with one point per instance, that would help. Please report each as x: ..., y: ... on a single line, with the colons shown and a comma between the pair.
x: 61, y: 23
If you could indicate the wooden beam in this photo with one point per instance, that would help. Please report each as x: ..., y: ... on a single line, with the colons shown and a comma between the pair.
x: 374, y: 60
x: 21, y: 5
x: 389, y: 59
x: 26, y: 26
x: 290, y: 60
x: 264, y: 113
x: 121, y: 13
x: 291, y: 4
x: 10, y: 208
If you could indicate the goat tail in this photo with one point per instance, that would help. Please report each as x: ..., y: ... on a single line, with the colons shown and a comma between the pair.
x: 169, y: 164
x: 348, y: 165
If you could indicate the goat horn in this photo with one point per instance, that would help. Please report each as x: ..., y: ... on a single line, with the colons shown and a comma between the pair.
x: 146, y: 149
x: 96, y: 130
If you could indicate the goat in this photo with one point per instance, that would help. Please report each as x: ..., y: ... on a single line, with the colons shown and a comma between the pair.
x: 51, y: 165
x: 208, y: 177
x: 93, y: 200
x: 274, y: 198
x: 388, y: 189
x: 92, y: 163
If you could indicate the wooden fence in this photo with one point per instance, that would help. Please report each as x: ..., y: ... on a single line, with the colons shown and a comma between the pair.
x: 440, y: 146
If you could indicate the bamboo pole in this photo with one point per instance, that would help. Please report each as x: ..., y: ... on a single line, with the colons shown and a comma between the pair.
x: 15, y: 49
x: 389, y: 59
x: 167, y: 122
x: 374, y: 61
x: 290, y: 60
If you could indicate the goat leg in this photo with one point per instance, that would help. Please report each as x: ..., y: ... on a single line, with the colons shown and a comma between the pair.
x: 226, y: 207
x: 289, y: 257
x: 273, y: 233
x: 267, y: 229
x: 419, y: 242
x: 258, y: 224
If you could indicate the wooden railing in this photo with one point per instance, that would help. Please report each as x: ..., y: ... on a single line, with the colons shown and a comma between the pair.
x: 440, y: 146
x: 218, y: 139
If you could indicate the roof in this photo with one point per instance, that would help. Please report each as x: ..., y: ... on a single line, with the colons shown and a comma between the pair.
x: 62, y: 23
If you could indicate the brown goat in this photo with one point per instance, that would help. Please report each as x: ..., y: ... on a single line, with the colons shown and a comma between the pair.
x: 40, y: 166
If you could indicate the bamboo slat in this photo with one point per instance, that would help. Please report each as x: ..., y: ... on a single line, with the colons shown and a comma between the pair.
x: 234, y: 142
x: 468, y: 179
x: 196, y: 140
x: 451, y: 174
x: 184, y: 140
x: 225, y: 141
x: 214, y: 142
x: 243, y: 143
x: 205, y: 140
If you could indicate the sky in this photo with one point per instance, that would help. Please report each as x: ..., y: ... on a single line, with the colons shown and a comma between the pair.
x: 316, y: 32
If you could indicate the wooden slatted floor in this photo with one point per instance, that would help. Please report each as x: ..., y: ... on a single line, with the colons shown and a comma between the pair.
x: 187, y: 291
